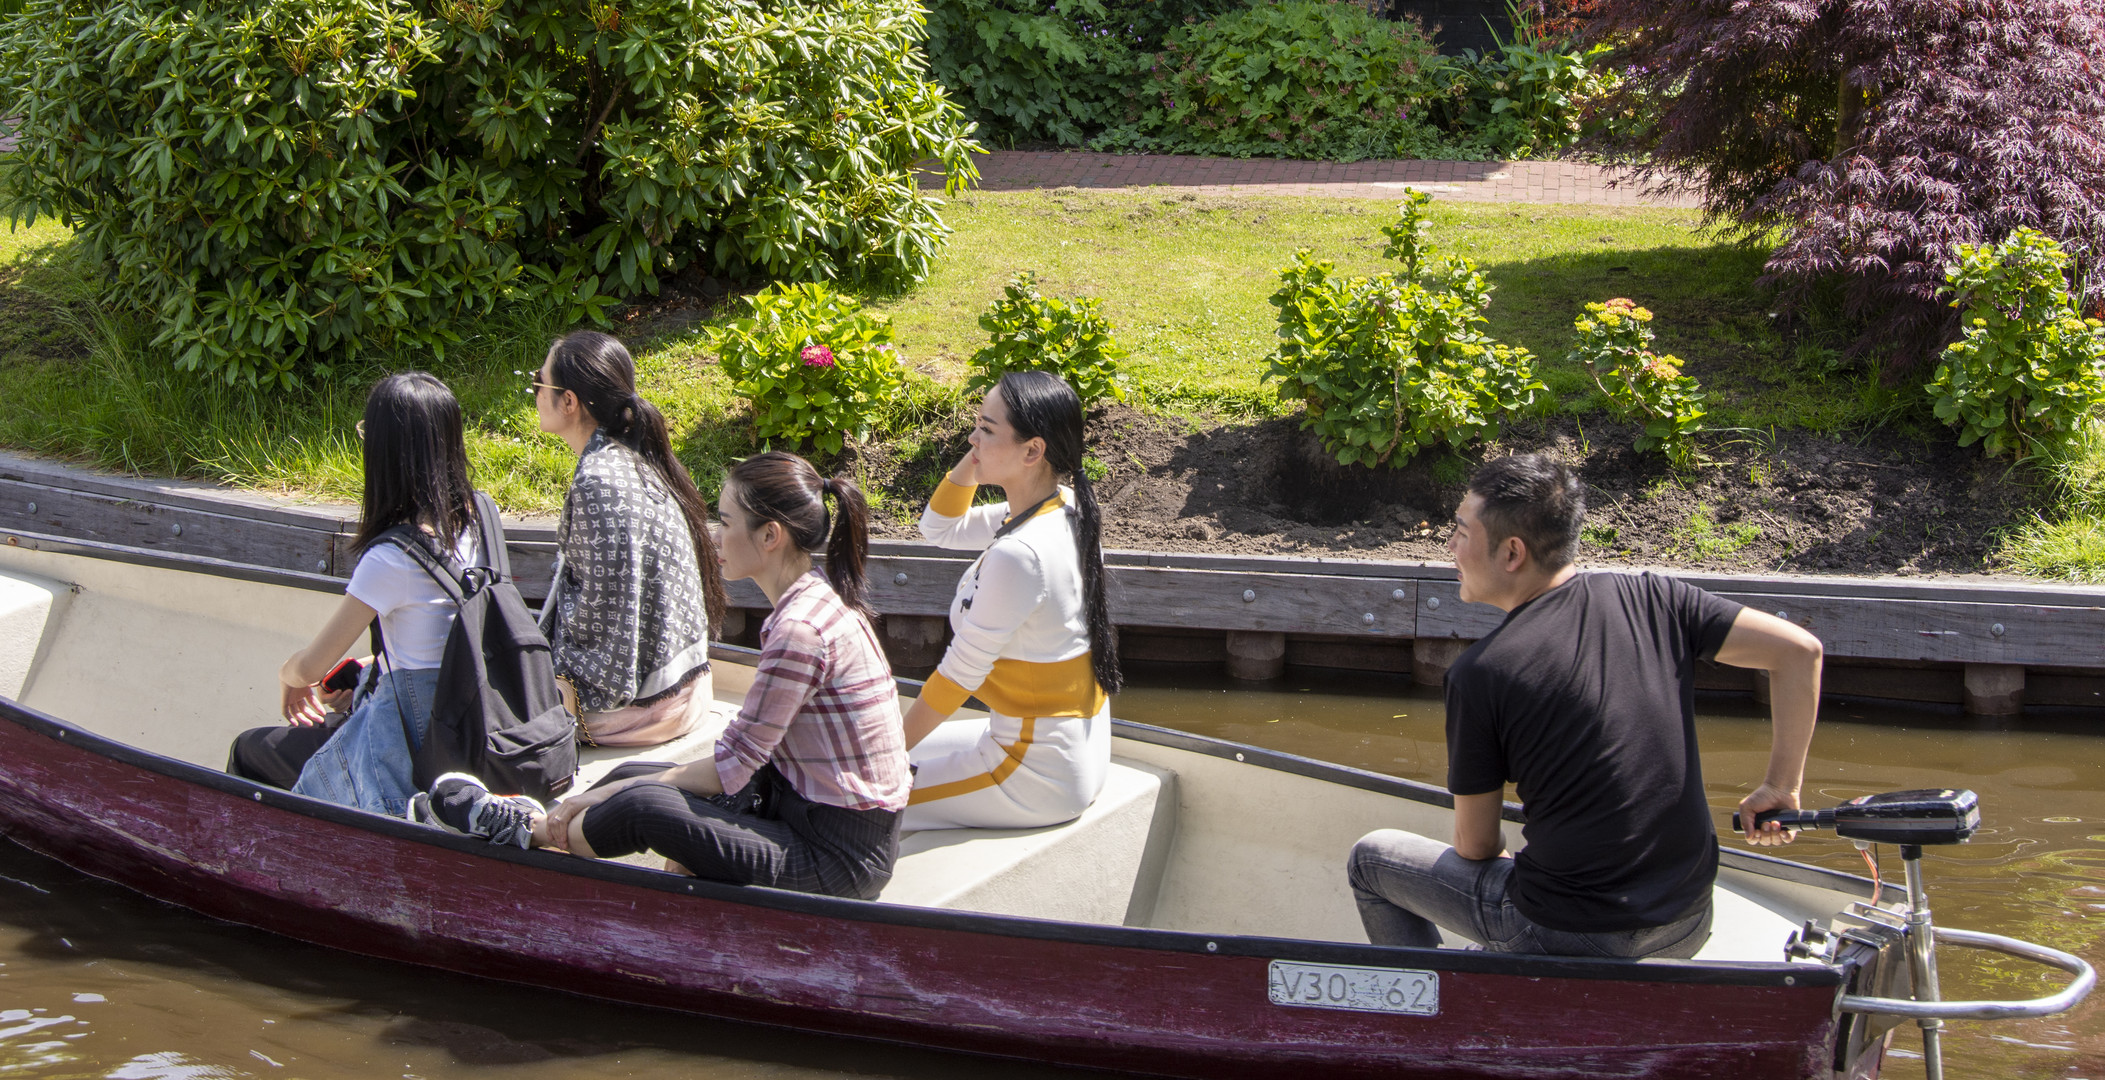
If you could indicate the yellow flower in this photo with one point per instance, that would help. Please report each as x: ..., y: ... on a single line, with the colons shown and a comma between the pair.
x: 1587, y: 326
x: 1611, y: 320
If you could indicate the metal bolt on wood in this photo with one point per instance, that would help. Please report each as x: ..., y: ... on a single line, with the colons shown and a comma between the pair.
x: 1432, y: 602
x: 1368, y: 618
x: 175, y: 530
x: 1398, y: 595
x: 1997, y: 629
x: 899, y: 578
x: 32, y: 508
x: 1249, y: 596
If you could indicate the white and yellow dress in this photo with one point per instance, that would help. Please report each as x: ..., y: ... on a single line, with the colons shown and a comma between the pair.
x: 1020, y: 643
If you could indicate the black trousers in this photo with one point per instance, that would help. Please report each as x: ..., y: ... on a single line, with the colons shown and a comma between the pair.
x: 767, y: 834
x: 275, y: 755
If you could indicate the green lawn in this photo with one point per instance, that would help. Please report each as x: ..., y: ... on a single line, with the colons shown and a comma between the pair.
x: 1184, y: 279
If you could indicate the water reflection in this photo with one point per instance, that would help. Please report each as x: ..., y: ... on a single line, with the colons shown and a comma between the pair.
x: 97, y: 982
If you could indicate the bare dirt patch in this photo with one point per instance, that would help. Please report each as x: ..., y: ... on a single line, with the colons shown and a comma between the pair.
x: 1788, y: 502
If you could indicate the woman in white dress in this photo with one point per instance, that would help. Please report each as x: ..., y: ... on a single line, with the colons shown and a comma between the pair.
x: 1031, y: 632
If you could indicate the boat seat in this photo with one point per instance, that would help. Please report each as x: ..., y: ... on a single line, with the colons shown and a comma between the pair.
x: 27, y: 606
x: 594, y: 762
x: 1103, y: 867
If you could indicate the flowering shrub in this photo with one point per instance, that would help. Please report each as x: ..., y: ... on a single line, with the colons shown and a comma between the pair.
x: 2028, y: 371
x: 1304, y: 78
x: 1390, y: 364
x: 817, y: 368
x: 1616, y: 337
x: 1069, y: 338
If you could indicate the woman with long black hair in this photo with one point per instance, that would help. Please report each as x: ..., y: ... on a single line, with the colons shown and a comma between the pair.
x: 416, y: 474
x: 637, y: 587
x: 806, y: 785
x: 1031, y: 630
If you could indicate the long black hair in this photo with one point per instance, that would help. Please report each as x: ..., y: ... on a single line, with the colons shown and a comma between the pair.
x: 600, y: 372
x: 785, y: 489
x: 416, y: 467
x: 1042, y: 406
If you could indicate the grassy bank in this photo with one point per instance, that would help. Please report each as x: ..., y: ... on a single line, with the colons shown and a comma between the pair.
x: 1185, y: 280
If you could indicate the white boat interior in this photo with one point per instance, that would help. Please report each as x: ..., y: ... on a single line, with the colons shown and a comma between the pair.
x: 177, y: 662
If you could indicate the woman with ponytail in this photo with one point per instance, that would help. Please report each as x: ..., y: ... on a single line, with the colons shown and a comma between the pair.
x: 637, y: 588
x: 806, y: 785
x: 1031, y: 632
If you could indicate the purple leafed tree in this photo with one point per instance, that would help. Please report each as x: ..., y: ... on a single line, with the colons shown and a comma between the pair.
x: 1873, y: 134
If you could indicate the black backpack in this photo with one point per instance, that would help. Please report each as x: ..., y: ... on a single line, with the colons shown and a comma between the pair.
x: 497, y: 714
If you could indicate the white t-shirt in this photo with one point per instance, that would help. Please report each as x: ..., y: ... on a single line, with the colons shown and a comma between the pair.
x: 415, y: 613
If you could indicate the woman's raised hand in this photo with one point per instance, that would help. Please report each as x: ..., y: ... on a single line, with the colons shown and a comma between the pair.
x: 966, y: 472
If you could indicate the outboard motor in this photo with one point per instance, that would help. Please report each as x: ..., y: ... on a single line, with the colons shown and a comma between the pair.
x: 1912, y: 819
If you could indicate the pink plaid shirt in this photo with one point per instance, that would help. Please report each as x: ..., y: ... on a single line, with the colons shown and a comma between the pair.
x: 822, y: 707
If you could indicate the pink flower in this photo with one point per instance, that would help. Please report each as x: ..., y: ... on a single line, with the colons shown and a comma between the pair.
x: 817, y: 356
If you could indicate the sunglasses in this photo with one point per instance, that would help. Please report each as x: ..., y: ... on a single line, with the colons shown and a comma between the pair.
x: 534, y: 385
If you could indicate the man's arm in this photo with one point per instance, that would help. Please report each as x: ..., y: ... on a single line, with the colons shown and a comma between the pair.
x: 1476, y: 821
x: 1792, y: 658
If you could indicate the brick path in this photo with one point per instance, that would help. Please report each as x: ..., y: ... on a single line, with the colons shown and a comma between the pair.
x: 1480, y: 181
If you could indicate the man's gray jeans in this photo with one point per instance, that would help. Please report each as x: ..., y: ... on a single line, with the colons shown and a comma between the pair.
x: 1409, y: 885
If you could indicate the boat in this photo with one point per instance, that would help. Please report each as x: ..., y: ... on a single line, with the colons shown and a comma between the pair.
x: 1194, y: 923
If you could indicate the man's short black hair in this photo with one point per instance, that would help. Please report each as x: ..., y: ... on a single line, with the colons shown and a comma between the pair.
x: 1534, y: 497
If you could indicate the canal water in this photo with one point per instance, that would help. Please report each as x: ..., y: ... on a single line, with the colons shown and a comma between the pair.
x: 98, y: 982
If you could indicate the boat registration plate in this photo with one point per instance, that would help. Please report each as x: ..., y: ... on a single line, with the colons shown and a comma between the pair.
x: 1357, y: 989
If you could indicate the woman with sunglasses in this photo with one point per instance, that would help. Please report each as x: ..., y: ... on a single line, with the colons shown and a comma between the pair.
x: 416, y: 474
x: 806, y: 786
x: 636, y: 588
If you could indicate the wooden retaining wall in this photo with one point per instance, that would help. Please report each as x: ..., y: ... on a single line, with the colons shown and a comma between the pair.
x: 1993, y: 647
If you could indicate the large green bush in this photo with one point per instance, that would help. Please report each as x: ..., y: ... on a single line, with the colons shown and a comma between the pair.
x: 1389, y: 364
x: 281, y: 184
x: 1301, y: 78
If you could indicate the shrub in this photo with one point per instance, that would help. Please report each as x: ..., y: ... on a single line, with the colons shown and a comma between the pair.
x: 818, y: 369
x: 1070, y: 338
x: 1640, y: 384
x: 282, y: 184
x: 1057, y: 72
x: 1393, y: 363
x: 1874, y: 134
x: 1306, y: 78
x: 1527, y: 98
x: 2027, y: 372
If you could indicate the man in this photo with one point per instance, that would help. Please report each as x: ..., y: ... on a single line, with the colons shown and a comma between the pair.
x: 1583, y: 698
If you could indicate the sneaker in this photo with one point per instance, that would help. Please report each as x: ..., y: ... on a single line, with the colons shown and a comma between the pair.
x: 461, y: 803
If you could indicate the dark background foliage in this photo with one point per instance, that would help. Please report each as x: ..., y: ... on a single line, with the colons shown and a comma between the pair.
x: 1874, y: 134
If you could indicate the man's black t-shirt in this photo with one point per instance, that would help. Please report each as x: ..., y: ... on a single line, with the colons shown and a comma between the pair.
x: 1584, y: 698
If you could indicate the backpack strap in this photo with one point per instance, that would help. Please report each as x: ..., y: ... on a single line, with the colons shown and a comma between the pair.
x: 411, y: 542
x: 490, y: 528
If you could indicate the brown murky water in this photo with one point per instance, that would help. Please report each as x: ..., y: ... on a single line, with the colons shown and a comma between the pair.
x: 99, y: 982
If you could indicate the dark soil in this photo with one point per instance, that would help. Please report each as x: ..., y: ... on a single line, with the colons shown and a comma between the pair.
x: 1884, y: 504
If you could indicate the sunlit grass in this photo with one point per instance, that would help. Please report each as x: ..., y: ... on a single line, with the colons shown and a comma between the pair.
x: 1185, y: 280
x: 2071, y: 544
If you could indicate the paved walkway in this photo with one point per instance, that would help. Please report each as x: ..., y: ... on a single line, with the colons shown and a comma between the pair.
x: 1480, y: 181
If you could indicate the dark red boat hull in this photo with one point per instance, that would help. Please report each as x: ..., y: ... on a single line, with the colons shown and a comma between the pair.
x: 1121, y: 998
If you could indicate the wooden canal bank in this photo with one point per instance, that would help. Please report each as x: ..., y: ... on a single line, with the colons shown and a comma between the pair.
x: 1993, y: 647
